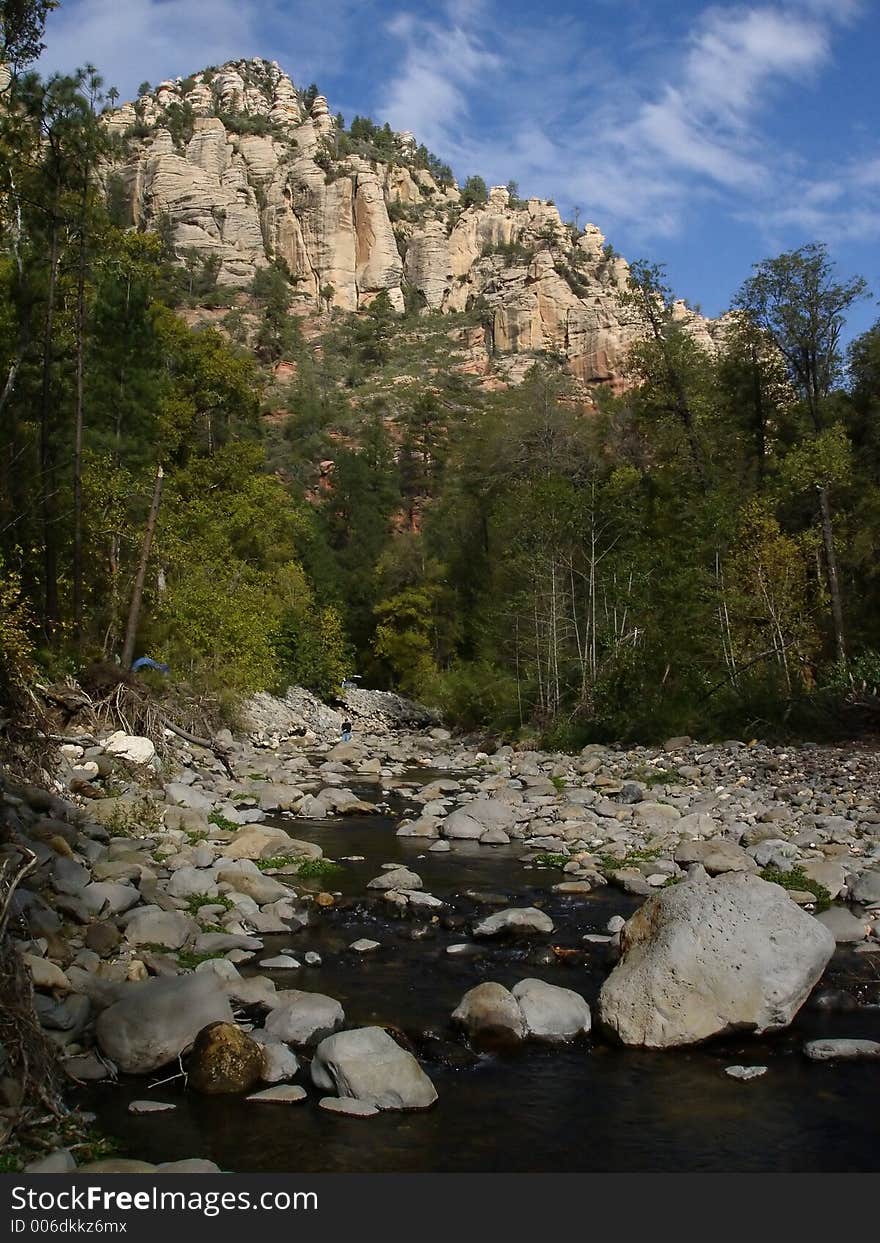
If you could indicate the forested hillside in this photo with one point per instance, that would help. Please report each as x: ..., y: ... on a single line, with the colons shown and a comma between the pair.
x: 250, y: 482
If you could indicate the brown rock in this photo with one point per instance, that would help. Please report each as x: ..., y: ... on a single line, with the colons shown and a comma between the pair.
x: 224, y: 1059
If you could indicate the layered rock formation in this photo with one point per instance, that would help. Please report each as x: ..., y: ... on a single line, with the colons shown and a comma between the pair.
x: 236, y: 170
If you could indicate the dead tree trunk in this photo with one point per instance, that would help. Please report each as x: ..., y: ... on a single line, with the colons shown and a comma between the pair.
x: 134, y: 613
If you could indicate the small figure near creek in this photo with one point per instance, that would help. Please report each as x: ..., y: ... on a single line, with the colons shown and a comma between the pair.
x: 346, y: 731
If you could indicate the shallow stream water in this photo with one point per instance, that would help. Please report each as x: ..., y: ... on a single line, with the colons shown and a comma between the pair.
x: 584, y: 1107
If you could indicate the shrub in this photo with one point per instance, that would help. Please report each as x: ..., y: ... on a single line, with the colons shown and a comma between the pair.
x: 16, y: 647
x: 796, y: 878
x: 474, y: 192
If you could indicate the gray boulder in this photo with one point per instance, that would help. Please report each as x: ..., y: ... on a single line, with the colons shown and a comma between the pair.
x: 514, y: 920
x: 396, y: 878
x: 154, y: 927
x: 846, y: 928
x: 154, y: 1022
x: 713, y: 956
x: 301, y: 1018
x: 262, y: 889
x: 551, y: 1013
x: 866, y: 887
x: 186, y: 796
x: 462, y: 826
x: 490, y: 1012
x: 368, y: 1065
x: 109, y: 898
x: 491, y: 813
x: 188, y: 882
x: 842, y: 1050
x: 717, y: 856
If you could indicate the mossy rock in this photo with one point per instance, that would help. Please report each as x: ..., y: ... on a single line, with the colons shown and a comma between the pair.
x: 224, y: 1060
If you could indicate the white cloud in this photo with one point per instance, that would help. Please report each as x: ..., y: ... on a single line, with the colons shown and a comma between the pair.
x: 441, y: 62
x: 544, y: 106
x: 134, y: 40
x: 148, y: 39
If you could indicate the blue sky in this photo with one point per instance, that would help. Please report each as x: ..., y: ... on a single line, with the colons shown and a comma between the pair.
x: 704, y: 136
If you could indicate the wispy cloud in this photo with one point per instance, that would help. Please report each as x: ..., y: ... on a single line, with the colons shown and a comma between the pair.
x: 641, y: 118
x: 635, y: 140
x: 442, y: 61
x: 133, y: 40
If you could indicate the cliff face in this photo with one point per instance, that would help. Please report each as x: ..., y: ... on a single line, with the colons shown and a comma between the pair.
x: 237, y: 170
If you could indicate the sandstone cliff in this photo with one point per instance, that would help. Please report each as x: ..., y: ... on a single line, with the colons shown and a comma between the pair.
x: 239, y: 171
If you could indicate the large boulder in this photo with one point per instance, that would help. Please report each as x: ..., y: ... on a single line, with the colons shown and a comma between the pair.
x: 462, y: 826
x: 262, y: 889
x: 154, y: 927
x: 490, y: 1013
x: 301, y: 1018
x: 224, y: 1060
x: 186, y: 796
x: 368, y: 1065
x: 712, y: 956
x: 532, y: 1010
x: 718, y: 855
x: 130, y: 747
x: 866, y: 887
x: 491, y: 813
x: 551, y: 1013
x: 155, y: 1021
x: 845, y: 927
x: 396, y: 878
x: 256, y: 841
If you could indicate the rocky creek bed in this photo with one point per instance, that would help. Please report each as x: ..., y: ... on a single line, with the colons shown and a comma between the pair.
x: 434, y: 958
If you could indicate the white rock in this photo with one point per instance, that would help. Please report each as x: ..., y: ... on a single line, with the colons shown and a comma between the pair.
x: 369, y: 1065
x: 551, y: 1013
x: 711, y: 956
x: 841, y: 1050
x: 150, y: 1107
x: 299, y: 1018
x: 283, y: 1094
x: 348, y: 1106
x: 515, y: 919
x: 130, y: 747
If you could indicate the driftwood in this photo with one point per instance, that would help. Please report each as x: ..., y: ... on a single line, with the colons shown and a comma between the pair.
x: 222, y: 756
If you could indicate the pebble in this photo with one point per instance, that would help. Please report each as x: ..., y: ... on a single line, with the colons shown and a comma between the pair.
x: 842, y: 1049
x: 284, y: 1094
x: 150, y: 1107
x: 364, y: 946
x: 349, y: 1106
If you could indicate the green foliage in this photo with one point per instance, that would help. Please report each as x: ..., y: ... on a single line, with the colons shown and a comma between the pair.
x: 21, y: 33
x: 189, y: 959
x: 198, y: 900
x: 179, y: 120
x: 222, y: 822
x: 474, y: 192
x: 316, y: 869
x: 796, y: 878
x: 16, y: 641
x: 306, y: 869
x: 549, y: 860
x: 404, y: 638
x: 312, y: 649
x: 278, y: 336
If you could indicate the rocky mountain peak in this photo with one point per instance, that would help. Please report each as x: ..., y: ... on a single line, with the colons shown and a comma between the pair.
x: 243, y: 169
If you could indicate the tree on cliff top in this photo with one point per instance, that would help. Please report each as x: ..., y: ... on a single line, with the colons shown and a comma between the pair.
x: 21, y: 30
